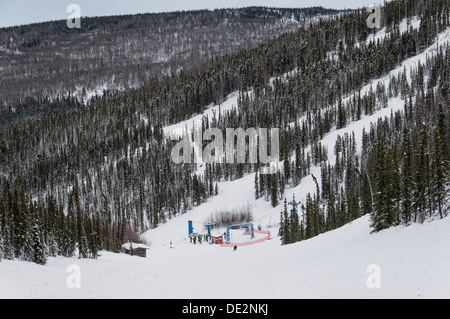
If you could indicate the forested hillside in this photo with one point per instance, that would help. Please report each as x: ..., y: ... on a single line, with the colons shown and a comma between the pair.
x: 101, y: 170
x: 43, y: 64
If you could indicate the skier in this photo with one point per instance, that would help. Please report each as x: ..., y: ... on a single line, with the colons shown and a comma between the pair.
x: 235, y: 248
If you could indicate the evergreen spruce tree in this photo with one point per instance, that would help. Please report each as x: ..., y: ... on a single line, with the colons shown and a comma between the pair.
x: 51, y: 220
x: 52, y: 244
x: 256, y: 186
x: 294, y: 224
x: 331, y: 212
x: 439, y: 173
x: 386, y: 214
x: 97, y: 236
x: 8, y: 250
x: 421, y: 177
x: 298, y: 168
x: 21, y: 226
x: 342, y: 208
x: 341, y: 115
x: 287, y: 164
x: 2, y: 226
x: 286, y: 237
x: 309, y: 218
x: 83, y: 245
x: 33, y: 227
x: 69, y: 237
x: 406, y: 178
x: 1, y: 245
x: 394, y: 217
x: 366, y: 192
x: 94, y: 240
x: 38, y: 245
x: 353, y: 204
x: 443, y: 128
x: 5, y: 229
x: 379, y: 212
x: 273, y: 190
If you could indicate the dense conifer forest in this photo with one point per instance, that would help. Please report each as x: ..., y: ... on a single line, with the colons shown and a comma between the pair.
x: 47, y: 66
x: 90, y: 175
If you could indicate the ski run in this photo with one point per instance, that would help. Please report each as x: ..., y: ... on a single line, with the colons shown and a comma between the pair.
x: 349, y: 262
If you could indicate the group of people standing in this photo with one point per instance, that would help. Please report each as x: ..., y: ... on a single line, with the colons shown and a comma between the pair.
x: 199, y: 238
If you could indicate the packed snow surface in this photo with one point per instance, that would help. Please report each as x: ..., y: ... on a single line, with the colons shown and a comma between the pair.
x: 333, y: 265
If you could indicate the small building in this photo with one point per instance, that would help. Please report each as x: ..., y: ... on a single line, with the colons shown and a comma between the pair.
x: 135, y: 249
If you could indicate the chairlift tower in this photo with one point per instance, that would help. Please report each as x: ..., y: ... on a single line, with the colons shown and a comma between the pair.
x: 294, y: 206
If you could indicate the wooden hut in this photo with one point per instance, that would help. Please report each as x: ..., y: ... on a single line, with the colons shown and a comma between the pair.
x: 135, y: 249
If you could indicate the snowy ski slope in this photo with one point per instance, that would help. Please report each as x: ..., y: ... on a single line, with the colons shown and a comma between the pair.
x: 338, y: 264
